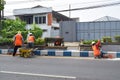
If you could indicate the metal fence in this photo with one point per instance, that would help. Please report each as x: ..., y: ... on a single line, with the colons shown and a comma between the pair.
x: 75, y: 31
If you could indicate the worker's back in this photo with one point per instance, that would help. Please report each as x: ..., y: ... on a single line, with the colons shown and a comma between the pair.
x: 18, y: 40
x: 31, y: 38
x: 96, y: 50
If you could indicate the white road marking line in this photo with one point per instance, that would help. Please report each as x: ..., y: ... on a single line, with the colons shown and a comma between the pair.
x: 42, y: 75
x: 115, y: 59
x: 61, y: 57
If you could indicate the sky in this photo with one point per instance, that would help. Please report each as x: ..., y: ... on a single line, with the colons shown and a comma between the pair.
x: 57, y: 5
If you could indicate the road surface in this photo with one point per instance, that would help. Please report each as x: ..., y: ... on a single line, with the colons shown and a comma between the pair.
x: 58, y: 68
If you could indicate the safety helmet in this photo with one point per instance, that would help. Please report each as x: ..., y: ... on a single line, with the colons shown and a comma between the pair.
x: 30, y: 33
x: 93, y: 42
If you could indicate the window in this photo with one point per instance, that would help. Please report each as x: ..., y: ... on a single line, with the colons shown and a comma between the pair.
x: 44, y: 19
x: 36, y: 20
x: 40, y: 19
x: 28, y: 19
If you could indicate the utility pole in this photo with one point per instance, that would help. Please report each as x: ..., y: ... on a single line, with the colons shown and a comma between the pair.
x: 2, y: 3
x: 69, y: 11
x: 0, y: 13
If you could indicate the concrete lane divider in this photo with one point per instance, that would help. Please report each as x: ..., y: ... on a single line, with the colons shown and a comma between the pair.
x: 74, y: 53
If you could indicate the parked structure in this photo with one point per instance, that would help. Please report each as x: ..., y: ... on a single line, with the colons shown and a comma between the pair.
x: 76, y: 31
x: 47, y: 19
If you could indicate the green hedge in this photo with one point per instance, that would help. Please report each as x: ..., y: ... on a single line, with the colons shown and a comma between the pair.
x: 9, y: 41
x: 117, y: 38
x: 107, y: 39
x: 6, y: 41
x: 37, y: 34
x: 39, y: 41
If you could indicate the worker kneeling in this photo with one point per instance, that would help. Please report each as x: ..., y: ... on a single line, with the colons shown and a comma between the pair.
x: 96, y: 49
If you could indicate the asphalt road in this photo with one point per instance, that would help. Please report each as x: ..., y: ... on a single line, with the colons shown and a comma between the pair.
x: 58, y: 68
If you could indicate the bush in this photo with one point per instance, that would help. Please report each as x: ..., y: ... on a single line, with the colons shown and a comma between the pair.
x: 117, y: 38
x: 37, y: 33
x: 107, y: 39
x: 89, y: 41
x: 11, y: 27
x: 10, y: 34
x: 39, y: 41
x: 6, y: 41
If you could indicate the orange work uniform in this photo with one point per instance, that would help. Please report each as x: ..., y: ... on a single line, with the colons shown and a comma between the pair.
x: 18, y: 40
x: 96, y: 49
x: 31, y: 39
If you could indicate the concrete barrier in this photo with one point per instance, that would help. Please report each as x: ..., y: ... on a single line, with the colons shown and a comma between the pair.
x: 74, y: 53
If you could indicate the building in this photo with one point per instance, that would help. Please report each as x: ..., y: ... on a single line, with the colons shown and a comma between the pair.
x: 104, y: 27
x: 46, y: 18
x: 107, y: 18
x: 9, y: 17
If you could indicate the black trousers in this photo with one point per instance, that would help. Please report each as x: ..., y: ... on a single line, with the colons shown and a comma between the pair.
x: 30, y: 45
x: 15, y: 50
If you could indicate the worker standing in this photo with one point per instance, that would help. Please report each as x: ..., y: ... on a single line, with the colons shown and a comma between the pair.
x: 17, y: 41
x: 96, y: 49
x: 30, y: 40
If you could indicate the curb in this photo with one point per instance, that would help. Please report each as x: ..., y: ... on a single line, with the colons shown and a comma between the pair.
x: 73, y: 53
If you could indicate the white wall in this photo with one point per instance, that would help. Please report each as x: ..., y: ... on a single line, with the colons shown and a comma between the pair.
x: 43, y: 27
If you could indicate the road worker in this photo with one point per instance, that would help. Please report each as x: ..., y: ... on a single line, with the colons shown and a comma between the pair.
x: 17, y: 41
x: 96, y: 49
x: 30, y: 40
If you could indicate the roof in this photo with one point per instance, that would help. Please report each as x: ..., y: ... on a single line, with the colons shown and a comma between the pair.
x: 40, y: 9
x: 107, y: 18
x: 34, y: 10
x: 60, y: 17
x: 38, y: 6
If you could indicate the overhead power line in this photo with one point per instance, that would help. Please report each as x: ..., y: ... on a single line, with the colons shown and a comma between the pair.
x: 90, y: 7
x: 25, y: 1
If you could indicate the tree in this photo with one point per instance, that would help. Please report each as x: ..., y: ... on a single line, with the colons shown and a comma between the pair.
x: 11, y: 27
x: 2, y: 3
x: 14, y: 25
x: 36, y: 30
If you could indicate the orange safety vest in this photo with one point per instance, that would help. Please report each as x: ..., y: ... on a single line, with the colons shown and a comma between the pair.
x: 31, y: 39
x: 18, y: 40
x: 96, y: 49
